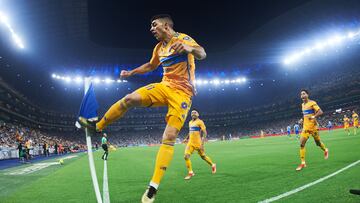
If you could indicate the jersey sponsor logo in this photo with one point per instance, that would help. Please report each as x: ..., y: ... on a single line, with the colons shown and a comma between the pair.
x: 194, y: 128
x: 309, y: 111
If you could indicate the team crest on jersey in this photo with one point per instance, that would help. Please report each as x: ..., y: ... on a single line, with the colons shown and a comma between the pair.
x: 184, y: 105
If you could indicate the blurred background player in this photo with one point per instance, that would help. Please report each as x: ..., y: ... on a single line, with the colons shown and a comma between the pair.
x: 288, y: 130
x: 104, y: 145
x: 296, y: 130
x: 196, y: 141
x: 329, y: 126
x: 346, y: 121
x: 310, y: 111
x: 355, y: 120
x: 176, y: 53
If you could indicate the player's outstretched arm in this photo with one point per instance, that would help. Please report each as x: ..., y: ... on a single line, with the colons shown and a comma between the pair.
x: 145, y: 68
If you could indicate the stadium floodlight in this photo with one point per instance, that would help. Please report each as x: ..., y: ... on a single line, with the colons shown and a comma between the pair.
x: 53, y: 75
x: 118, y: 81
x: 108, y: 80
x: 306, y: 51
x: 351, y: 35
x: 335, y: 40
x: 332, y: 41
x: 244, y: 79
x: 18, y: 41
x: 5, y: 21
x: 78, y: 79
x: 216, y: 81
x: 205, y: 82
x: 67, y: 79
x: 227, y: 81
x: 96, y: 80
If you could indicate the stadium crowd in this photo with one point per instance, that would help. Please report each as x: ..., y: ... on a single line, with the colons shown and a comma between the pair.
x: 144, y: 126
x: 30, y: 142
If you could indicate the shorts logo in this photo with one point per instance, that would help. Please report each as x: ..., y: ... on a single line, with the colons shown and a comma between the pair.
x: 184, y: 105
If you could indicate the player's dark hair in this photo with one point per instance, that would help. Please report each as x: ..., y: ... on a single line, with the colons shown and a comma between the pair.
x: 306, y: 91
x: 195, y: 110
x: 166, y: 17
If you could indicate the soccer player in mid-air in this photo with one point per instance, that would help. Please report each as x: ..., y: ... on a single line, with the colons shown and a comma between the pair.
x: 346, y: 121
x: 104, y: 145
x: 311, y: 111
x: 196, y: 141
x: 355, y: 120
x: 176, y: 53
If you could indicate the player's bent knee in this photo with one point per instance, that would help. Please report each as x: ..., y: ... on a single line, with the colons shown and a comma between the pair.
x: 187, y: 156
x: 132, y: 100
x: 170, y: 133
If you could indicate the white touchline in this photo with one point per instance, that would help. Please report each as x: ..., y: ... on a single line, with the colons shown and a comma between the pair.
x: 309, y: 184
x: 106, y: 197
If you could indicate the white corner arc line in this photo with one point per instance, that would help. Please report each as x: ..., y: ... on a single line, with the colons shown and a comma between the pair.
x: 272, y: 199
x: 106, y: 196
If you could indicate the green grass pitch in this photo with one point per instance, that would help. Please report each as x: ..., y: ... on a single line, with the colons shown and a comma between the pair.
x: 249, y: 170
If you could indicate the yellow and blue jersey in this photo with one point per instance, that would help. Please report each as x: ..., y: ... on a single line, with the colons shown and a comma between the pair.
x: 179, y: 69
x: 355, y: 118
x: 309, y: 109
x: 346, y: 122
x: 195, y: 129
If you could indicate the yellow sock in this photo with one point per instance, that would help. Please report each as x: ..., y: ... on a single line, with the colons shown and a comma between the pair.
x: 207, y: 159
x: 188, y: 164
x: 322, y: 146
x: 115, y: 112
x: 163, y: 159
x: 302, y: 154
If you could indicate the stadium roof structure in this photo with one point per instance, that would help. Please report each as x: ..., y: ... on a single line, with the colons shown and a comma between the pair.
x: 244, y: 39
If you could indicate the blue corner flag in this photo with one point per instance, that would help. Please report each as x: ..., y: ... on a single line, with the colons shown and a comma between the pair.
x: 89, y: 105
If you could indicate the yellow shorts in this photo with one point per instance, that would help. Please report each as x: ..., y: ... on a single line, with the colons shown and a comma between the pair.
x: 158, y: 94
x: 190, y: 148
x: 313, y: 133
x: 356, y: 124
x: 346, y: 127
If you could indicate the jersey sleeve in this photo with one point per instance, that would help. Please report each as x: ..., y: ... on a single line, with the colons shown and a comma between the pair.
x: 202, y: 126
x: 316, y: 107
x: 155, y: 59
x: 188, y: 40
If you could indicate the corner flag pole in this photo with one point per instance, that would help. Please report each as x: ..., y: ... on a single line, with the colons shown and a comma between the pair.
x: 87, y: 83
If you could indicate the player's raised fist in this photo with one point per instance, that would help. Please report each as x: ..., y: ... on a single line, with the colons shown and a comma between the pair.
x: 181, y: 48
x: 125, y: 74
